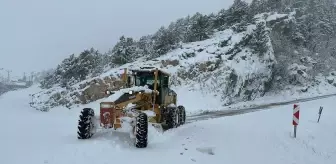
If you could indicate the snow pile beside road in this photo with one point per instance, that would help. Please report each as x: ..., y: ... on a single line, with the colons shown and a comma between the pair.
x: 259, y: 137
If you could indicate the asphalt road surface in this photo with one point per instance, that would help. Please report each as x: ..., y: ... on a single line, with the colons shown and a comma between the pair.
x: 232, y: 112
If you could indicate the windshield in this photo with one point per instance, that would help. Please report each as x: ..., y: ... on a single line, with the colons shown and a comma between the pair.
x: 145, y: 80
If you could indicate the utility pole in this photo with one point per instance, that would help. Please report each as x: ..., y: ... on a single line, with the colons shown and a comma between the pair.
x: 8, y: 75
x: 32, y: 77
x: 24, y: 79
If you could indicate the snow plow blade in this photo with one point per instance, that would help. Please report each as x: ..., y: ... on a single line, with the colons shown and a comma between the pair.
x: 158, y: 127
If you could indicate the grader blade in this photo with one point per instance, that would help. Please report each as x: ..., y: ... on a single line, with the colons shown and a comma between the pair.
x: 158, y: 127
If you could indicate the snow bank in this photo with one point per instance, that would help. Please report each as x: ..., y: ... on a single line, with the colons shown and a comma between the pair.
x: 259, y: 137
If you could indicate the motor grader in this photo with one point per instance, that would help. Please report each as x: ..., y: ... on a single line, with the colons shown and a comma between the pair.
x: 146, y: 99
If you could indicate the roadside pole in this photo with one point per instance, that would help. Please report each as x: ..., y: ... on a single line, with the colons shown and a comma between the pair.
x: 320, y: 112
x: 296, y: 117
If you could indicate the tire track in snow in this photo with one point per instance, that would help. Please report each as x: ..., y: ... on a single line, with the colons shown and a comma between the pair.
x: 238, y: 111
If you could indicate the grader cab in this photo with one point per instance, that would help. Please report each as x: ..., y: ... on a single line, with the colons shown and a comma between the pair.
x: 146, y: 99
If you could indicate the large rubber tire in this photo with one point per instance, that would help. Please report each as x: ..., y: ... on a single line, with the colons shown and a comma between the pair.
x: 141, y: 131
x: 172, y: 118
x: 182, y: 114
x: 85, y: 124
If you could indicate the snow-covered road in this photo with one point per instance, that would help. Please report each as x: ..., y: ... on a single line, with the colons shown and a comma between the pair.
x: 32, y: 137
x: 252, y: 108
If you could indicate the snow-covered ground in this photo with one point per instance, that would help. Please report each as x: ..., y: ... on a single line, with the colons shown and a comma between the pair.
x: 32, y: 137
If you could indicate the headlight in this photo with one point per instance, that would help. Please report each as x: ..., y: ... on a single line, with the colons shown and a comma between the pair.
x: 130, y: 92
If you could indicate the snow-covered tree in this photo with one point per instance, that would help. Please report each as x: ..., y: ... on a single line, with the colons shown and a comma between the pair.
x: 124, y: 51
x: 145, y: 44
x: 164, y: 41
x: 74, y: 69
x: 259, y: 39
x: 220, y: 19
x: 257, y: 7
x: 237, y: 12
x: 200, y: 28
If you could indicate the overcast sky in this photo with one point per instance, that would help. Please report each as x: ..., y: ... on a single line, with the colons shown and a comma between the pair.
x: 39, y: 34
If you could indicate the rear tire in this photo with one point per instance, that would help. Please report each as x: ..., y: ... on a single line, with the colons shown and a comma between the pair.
x: 141, y: 131
x: 182, y: 114
x: 86, y: 124
x: 172, y: 118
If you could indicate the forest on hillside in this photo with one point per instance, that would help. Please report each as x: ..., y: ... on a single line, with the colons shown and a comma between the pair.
x: 310, y: 37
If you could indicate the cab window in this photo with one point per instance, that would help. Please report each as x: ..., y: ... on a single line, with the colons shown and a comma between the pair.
x: 165, y: 81
x: 145, y: 80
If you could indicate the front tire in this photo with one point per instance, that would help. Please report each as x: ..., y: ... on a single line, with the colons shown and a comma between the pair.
x: 141, y: 131
x: 86, y: 124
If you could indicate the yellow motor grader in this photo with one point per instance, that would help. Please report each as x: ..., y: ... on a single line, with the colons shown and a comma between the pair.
x: 146, y: 99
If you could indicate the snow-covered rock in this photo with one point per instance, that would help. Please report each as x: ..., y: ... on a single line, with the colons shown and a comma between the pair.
x: 331, y: 79
x: 298, y: 74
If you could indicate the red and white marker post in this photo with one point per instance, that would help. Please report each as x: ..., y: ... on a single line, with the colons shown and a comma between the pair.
x: 296, y: 117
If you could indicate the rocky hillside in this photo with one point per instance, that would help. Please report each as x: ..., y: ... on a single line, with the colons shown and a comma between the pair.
x: 239, y: 54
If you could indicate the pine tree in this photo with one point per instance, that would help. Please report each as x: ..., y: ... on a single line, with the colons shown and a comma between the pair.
x: 131, y: 49
x: 83, y: 66
x: 118, y: 52
x: 275, y: 5
x: 145, y: 45
x: 164, y: 41
x: 314, y: 23
x: 259, y: 40
x: 200, y: 28
x: 212, y: 18
x: 219, y: 22
x: 99, y: 63
x: 46, y: 82
x: 237, y: 12
x: 172, y: 29
x: 66, y: 65
x: 124, y: 51
x: 182, y: 28
x: 257, y: 7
